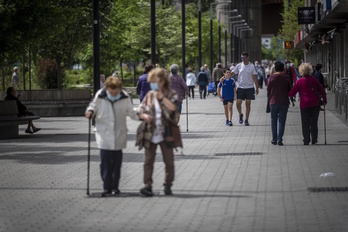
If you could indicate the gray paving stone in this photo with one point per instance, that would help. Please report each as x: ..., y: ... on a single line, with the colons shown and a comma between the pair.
x: 229, y: 179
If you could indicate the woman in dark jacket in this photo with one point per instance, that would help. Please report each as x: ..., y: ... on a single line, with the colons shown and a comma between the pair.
x: 22, y: 109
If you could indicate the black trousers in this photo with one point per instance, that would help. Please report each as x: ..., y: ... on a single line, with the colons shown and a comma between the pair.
x: 309, y: 119
x: 110, y: 168
x: 191, y: 89
x: 203, y: 88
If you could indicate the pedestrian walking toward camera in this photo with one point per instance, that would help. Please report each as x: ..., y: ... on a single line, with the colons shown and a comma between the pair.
x: 247, y: 79
x: 109, y: 108
x: 227, y: 93
x: 203, y: 81
x: 102, y: 80
x: 277, y: 92
x: 218, y: 72
x: 15, y: 78
x: 190, y: 82
x: 310, y: 89
x: 158, y: 110
x: 143, y: 86
x: 178, y: 84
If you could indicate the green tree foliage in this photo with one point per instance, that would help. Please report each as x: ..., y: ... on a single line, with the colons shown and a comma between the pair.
x: 289, y: 29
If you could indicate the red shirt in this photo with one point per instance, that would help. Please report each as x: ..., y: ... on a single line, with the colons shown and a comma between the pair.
x: 309, y: 89
x: 277, y: 89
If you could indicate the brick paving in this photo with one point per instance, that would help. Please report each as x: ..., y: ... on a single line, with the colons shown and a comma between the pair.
x: 229, y: 179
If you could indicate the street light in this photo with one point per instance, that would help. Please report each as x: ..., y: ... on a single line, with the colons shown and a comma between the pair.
x: 238, y: 38
x: 235, y: 25
x: 199, y: 35
x: 211, y: 29
x: 230, y: 11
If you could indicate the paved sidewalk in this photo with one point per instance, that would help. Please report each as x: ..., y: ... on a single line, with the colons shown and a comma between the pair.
x: 229, y: 179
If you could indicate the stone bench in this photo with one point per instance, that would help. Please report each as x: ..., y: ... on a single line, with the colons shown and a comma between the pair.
x: 9, y: 120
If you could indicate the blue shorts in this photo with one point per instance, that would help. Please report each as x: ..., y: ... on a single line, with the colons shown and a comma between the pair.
x: 179, y: 107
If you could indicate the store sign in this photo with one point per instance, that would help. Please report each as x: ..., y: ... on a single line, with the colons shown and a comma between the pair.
x: 288, y: 45
x: 306, y: 15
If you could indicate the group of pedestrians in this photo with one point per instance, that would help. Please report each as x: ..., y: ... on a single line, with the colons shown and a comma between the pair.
x: 311, y: 92
x: 161, y: 99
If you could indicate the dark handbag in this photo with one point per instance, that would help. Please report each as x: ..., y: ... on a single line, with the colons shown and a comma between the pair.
x: 173, y: 136
x: 268, y: 108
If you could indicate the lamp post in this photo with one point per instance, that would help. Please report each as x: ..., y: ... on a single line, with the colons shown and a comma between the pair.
x: 96, y: 47
x: 238, y: 39
x: 153, y: 32
x: 240, y: 30
x: 230, y: 11
x: 234, y: 24
x: 199, y: 35
x: 231, y: 33
x: 211, y: 30
x: 183, y: 38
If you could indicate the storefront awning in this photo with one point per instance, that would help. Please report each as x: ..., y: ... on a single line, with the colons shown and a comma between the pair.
x: 337, y: 17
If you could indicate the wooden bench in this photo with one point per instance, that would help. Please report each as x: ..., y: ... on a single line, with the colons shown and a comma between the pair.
x: 9, y: 120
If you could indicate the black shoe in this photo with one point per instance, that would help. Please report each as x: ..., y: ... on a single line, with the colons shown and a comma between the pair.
x: 116, y: 192
x: 241, y: 119
x: 314, y: 142
x: 274, y: 143
x: 306, y: 144
x: 146, y: 191
x: 28, y: 131
x: 280, y: 143
x: 106, y: 193
x: 247, y: 122
x: 167, y: 190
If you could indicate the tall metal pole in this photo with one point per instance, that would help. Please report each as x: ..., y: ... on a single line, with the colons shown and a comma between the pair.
x: 199, y: 35
x: 153, y: 32
x: 211, y: 37
x: 231, y: 35
x: 23, y: 69
x: 225, y: 48
x: 183, y: 38
x: 96, y: 47
x: 219, y: 43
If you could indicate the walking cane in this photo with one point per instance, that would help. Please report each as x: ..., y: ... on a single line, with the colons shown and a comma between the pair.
x: 325, y: 124
x: 88, y: 153
x: 186, y: 113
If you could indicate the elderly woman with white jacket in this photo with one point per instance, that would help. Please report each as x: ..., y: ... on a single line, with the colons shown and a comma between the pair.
x: 110, y: 107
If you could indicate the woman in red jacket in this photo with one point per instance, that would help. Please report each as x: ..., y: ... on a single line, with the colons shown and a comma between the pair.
x: 311, y: 91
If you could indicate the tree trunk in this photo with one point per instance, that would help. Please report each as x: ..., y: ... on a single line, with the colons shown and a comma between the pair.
x: 135, y: 73
x: 59, y: 73
x: 23, y: 69
x: 3, y: 78
x: 29, y: 66
x: 121, y: 70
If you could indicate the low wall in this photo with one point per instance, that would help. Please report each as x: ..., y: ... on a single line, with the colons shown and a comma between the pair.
x: 55, y: 103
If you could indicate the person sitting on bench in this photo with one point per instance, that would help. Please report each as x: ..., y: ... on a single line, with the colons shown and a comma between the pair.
x: 22, y: 109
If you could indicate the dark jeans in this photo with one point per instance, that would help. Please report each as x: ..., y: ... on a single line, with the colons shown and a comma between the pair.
x: 278, y: 113
x: 191, y: 89
x: 309, y: 119
x: 203, y: 89
x: 110, y: 168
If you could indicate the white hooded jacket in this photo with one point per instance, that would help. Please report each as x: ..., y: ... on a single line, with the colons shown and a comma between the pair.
x: 110, y: 120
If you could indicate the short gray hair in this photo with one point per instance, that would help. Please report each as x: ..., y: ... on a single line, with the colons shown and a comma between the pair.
x: 174, y: 69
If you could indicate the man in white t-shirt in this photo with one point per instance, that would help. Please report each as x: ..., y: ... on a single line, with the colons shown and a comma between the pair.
x: 247, y: 79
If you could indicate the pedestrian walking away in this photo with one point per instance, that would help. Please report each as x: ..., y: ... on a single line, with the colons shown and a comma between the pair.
x: 277, y: 92
x: 227, y: 93
x: 247, y: 79
x: 310, y: 89
x: 143, y: 86
x: 109, y: 108
x: 15, y: 78
x: 178, y: 84
x: 288, y: 70
x: 158, y: 110
x: 190, y: 82
x: 203, y: 81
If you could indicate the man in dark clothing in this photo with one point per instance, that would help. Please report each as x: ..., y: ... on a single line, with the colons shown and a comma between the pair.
x: 203, y: 81
x: 291, y: 73
x: 218, y: 72
x: 318, y: 75
x: 277, y: 91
